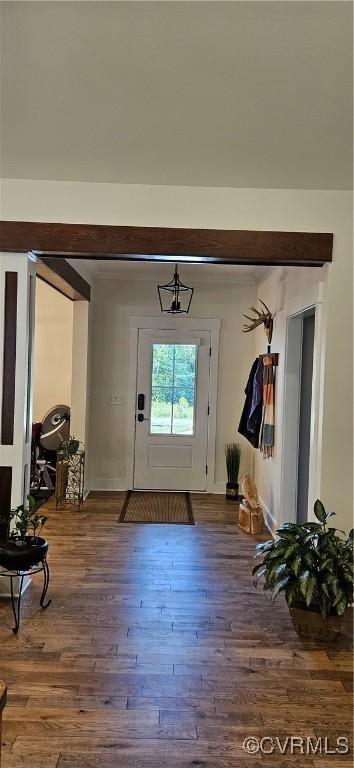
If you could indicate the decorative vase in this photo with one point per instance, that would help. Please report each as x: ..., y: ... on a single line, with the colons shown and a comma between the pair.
x: 232, y: 491
x: 310, y: 625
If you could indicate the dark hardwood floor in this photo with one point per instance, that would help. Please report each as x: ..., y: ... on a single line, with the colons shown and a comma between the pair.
x: 157, y: 652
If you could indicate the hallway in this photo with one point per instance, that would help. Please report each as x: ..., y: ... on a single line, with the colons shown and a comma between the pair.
x: 157, y: 651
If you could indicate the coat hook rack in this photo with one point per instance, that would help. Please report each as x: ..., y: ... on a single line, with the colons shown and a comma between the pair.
x: 262, y: 317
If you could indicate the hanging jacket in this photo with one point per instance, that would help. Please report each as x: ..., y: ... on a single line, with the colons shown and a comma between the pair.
x: 251, y: 418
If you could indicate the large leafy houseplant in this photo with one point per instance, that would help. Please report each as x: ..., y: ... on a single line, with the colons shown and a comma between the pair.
x: 311, y: 564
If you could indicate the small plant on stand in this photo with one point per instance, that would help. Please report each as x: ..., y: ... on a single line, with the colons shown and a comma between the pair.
x: 23, y: 552
x: 27, y: 524
x: 69, y: 447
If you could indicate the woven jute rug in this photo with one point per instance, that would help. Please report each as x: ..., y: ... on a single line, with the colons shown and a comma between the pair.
x: 157, y: 507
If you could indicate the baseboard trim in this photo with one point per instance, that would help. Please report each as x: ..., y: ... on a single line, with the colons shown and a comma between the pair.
x: 5, y: 587
x: 219, y: 488
x: 269, y: 520
x: 106, y: 484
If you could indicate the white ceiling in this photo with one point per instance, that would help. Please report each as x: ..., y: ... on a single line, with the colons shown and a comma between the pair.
x: 162, y: 272
x: 241, y: 94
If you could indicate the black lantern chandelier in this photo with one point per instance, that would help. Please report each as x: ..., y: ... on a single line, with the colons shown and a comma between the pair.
x: 175, y: 298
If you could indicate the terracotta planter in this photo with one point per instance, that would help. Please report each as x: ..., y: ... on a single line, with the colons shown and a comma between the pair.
x: 232, y: 491
x: 310, y: 625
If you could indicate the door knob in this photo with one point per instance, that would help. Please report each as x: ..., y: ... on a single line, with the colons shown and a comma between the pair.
x: 141, y: 417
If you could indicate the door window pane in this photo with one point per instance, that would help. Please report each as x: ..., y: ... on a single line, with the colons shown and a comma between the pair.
x: 183, y: 411
x: 184, y: 365
x: 173, y: 389
x: 161, y: 410
x: 162, y: 365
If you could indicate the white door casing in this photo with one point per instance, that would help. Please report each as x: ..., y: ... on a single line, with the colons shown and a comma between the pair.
x: 315, y: 298
x: 171, y: 434
x: 186, y: 327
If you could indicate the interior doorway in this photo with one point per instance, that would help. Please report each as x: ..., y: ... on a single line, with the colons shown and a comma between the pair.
x: 59, y: 382
x: 52, y: 385
x: 299, y: 449
x: 305, y: 408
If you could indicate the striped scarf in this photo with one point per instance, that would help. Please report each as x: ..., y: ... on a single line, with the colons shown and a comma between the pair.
x: 266, y: 445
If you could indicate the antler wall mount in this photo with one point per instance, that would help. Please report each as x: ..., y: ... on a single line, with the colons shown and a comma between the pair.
x: 261, y: 317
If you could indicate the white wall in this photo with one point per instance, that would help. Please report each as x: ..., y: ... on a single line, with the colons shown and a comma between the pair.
x: 335, y: 485
x: 255, y: 209
x: 53, y: 341
x: 288, y: 292
x: 79, y: 367
x: 114, y: 302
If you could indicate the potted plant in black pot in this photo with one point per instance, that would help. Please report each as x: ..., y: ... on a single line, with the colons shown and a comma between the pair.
x: 313, y: 566
x: 233, y: 456
x: 23, y: 547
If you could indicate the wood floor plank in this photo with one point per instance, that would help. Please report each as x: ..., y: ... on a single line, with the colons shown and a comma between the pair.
x: 157, y: 652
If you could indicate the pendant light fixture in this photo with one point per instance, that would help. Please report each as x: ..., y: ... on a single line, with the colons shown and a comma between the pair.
x: 175, y: 297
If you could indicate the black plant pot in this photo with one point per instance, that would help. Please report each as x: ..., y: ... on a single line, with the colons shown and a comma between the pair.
x: 15, y: 556
x: 232, y: 491
x: 4, y: 527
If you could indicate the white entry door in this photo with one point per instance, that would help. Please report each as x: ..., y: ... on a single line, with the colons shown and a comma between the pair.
x: 171, y: 435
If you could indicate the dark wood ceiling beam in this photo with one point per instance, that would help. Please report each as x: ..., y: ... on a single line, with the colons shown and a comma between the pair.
x: 63, y: 277
x: 165, y: 244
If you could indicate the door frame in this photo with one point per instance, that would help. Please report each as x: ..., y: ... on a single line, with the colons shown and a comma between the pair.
x: 172, y: 324
x: 317, y: 295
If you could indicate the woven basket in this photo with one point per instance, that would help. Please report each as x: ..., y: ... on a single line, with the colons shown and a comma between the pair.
x: 250, y: 520
x: 310, y: 625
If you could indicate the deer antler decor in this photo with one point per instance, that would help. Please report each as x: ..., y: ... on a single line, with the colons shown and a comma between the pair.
x: 262, y: 316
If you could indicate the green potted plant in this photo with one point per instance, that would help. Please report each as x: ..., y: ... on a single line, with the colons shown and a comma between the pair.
x: 69, y: 446
x: 23, y: 547
x: 313, y: 566
x: 233, y: 456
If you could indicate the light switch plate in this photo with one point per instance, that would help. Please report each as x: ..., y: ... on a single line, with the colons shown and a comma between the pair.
x: 115, y: 400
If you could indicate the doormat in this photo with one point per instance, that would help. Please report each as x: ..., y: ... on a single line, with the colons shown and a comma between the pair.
x: 157, y: 507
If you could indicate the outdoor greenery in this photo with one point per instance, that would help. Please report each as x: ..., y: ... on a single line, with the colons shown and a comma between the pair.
x: 173, y: 388
x: 310, y: 563
x: 173, y: 372
x: 233, y: 456
x: 182, y: 409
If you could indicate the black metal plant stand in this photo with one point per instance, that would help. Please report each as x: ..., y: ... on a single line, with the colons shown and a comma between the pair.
x: 42, y: 565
